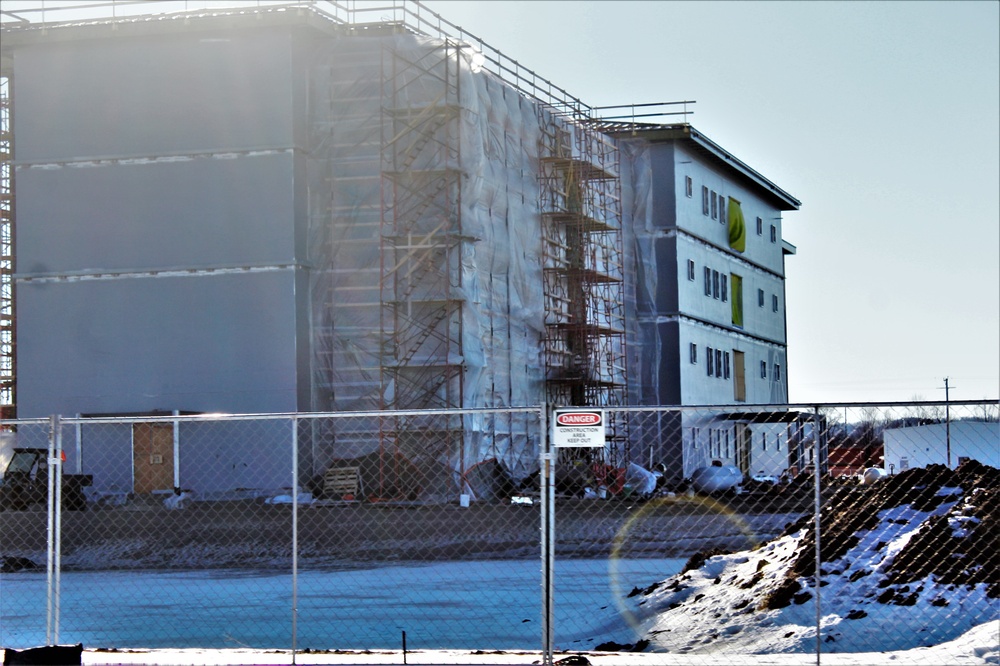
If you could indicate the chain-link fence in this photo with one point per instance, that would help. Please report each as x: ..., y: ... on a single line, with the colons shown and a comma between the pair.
x: 695, y: 533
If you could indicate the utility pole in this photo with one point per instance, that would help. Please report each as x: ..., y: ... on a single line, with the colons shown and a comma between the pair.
x: 947, y: 423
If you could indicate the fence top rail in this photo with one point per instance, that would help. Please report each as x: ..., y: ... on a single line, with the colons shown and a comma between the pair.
x: 537, y: 409
x: 222, y: 416
x: 802, y: 407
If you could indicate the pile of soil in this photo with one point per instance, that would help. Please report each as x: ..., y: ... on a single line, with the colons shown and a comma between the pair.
x: 959, y: 547
x: 920, y: 549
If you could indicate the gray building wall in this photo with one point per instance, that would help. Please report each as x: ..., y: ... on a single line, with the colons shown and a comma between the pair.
x: 161, y: 224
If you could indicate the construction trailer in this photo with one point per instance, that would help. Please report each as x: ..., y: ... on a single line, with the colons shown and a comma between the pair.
x: 950, y: 443
x: 302, y: 206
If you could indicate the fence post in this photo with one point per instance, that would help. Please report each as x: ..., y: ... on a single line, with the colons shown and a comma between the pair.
x: 295, y: 534
x: 817, y: 450
x: 547, y: 537
x: 176, y: 433
x: 78, y: 432
x: 53, y: 562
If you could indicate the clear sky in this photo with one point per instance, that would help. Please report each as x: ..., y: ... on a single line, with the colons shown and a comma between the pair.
x: 883, y: 118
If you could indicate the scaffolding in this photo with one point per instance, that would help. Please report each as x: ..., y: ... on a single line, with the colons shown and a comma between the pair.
x: 8, y: 333
x: 421, y: 366
x: 583, y: 274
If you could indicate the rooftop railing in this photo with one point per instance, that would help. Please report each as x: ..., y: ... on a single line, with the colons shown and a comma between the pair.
x: 409, y: 14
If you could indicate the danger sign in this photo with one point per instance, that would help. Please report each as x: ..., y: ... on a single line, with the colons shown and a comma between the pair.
x: 578, y: 428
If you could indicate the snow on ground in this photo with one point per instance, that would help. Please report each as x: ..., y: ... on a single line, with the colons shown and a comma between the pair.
x: 980, y: 645
x: 907, y: 565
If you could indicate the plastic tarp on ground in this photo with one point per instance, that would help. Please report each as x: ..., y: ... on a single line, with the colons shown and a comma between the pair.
x: 489, y: 481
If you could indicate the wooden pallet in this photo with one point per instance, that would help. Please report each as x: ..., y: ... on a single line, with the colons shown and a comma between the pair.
x: 342, y: 483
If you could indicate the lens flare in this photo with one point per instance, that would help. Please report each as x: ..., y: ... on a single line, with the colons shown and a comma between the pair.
x: 681, y: 504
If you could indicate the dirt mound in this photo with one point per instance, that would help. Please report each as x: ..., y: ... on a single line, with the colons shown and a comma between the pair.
x: 923, y: 542
x: 958, y: 547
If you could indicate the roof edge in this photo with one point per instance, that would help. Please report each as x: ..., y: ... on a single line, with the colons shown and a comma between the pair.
x: 686, y: 132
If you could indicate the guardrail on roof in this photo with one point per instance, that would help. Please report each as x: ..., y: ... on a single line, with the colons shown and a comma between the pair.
x: 408, y: 14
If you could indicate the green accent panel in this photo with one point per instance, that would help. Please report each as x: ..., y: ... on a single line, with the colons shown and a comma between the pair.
x: 736, y: 298
x: 737, y: 227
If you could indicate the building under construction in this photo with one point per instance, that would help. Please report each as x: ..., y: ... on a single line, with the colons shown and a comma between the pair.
x: 304, y: 206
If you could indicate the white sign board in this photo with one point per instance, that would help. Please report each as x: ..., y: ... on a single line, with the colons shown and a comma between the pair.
x: 578, y: 428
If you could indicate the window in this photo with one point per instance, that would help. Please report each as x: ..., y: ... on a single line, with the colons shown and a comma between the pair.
x: 725, y: 365
x: 728, y: 450
x: 691, y: 269
x: 694, y: 437
x: 760, y: 297
x: 718, y: 362
x: 688, y: 186
x: 763, y: 440
x: 774, y: 234
x: 694, y: 353
x: 715, y: 284
x: 774, y: 302
x: 777, y: 372
x: 722, y: 209
x: 715, y: 206
x: 704, y: 200
x: 763, y: 369
x: 760, y: 227
x: 725, y: 287
x: 708, y: 281
x: 709, y: 362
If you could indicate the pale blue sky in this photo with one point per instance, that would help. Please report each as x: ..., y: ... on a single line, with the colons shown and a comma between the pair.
x: 883, y: 118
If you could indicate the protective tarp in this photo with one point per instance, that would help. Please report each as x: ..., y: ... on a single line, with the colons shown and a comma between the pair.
x: 380, y: 119
x: 640, y: 480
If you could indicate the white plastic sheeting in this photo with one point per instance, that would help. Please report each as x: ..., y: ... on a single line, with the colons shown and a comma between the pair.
x: 500, y: 280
